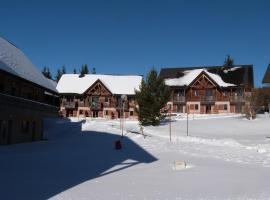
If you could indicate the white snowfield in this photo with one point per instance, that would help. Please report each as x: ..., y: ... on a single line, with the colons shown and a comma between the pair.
x: 224, y: 157
x: 190, y: 75
x: 117, y: 84
x: 14, y: 61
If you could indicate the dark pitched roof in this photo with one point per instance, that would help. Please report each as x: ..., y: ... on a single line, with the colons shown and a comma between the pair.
x: 266, y: 78
x: 240, y: 75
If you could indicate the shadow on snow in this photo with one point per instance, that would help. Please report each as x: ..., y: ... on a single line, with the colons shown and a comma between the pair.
x: 70, y: 157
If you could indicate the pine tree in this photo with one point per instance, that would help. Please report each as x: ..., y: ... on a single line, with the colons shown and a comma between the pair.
x: 228, y: 61
x: 84, y: 70
x: 94, y: 70
x: 151, y: 98
x: 63, y: 71
x: 74, y: 71
x: 58, y: 75
x: 46, y: 72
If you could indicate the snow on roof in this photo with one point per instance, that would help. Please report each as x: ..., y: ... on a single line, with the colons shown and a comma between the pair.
x: 190, y: 75
x: 14, y: 61
x: 231, y: 69
x: 117, y: 84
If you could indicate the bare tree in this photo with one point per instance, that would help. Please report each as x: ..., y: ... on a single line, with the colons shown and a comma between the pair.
x: 258, y: 101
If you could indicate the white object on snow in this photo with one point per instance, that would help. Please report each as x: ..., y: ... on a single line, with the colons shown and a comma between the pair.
x: 190, y: 75
x: 14, y: 61
x: 117, y: 84
x: 179, y: 165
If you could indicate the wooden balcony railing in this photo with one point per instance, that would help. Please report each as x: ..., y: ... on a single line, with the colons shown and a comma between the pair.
x: 121, y: 106
x: 96, y: 106
x: 237, y: 98
x: 208, y: 99
x: 179, y: 99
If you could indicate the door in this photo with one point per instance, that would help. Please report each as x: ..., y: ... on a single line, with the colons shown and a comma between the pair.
x: 208, y: 109
x: 95, y: 114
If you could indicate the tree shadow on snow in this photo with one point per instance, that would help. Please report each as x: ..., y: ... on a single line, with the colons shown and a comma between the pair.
x: 69, y: 157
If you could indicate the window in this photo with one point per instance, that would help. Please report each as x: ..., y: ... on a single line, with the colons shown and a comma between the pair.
x: 197, y: 93
x: 208, y: 92
x: 106, y: 99
x: 225, y: 107
x: 81, y: 112
x: 25, y: 126
x: 196, y: 107
x: 131, y: 113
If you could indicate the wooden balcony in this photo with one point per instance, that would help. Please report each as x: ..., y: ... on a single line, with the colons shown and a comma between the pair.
x: 237, y: 99
x: 208, y: 99
x: 121, y: 106
x: 96, y: 106
x: 69, y: 105
x: 179, y: 99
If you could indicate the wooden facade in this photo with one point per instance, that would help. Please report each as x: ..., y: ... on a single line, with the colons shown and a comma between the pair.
x: 23, y: 105
x: 205, y: 96
x: 98, y: 101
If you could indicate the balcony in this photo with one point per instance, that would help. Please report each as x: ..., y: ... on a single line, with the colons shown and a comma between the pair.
x: 208, y: 99
x: 121, y: 106
x: 96, y: 106
x: 179, y: 99
x: 237, y: 99
x: 69, y: 105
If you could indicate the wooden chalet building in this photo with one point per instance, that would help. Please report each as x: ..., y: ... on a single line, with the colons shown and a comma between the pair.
x: 215, y: 89
x: 93, y: 95
x: 26, y: 97
x: 266, y: 78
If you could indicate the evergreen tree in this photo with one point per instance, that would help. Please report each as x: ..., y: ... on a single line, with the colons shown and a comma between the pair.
x: 63, y: 71
x: 58, y: 75
x: 94, y: 70
x: 74, y: 71
x: 228, y: 61
x: 151, y: 98
x: 46, y: 72
x: 84, y: 70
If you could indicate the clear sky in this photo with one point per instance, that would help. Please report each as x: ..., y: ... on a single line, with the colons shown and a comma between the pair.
x: 130, y: 37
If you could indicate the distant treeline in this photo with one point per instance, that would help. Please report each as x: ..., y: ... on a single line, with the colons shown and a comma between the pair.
x: 60, y: 71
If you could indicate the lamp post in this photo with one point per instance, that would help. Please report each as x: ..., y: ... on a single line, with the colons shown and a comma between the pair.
x: 123, y: 98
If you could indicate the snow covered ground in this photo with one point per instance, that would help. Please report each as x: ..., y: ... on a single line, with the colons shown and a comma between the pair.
x: 227, y: 157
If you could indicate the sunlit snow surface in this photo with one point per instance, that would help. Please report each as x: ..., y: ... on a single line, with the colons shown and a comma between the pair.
x: 227, y: 157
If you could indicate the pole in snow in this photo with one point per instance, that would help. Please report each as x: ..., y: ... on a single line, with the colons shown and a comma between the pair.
x: 187, y: 120
x: 170, y: 124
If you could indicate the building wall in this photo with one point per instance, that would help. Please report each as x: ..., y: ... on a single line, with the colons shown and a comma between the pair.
x: 107, y: 107
x: 22, y: 109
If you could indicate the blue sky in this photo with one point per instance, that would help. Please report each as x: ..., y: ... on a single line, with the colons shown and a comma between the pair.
x: 130, y: 37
